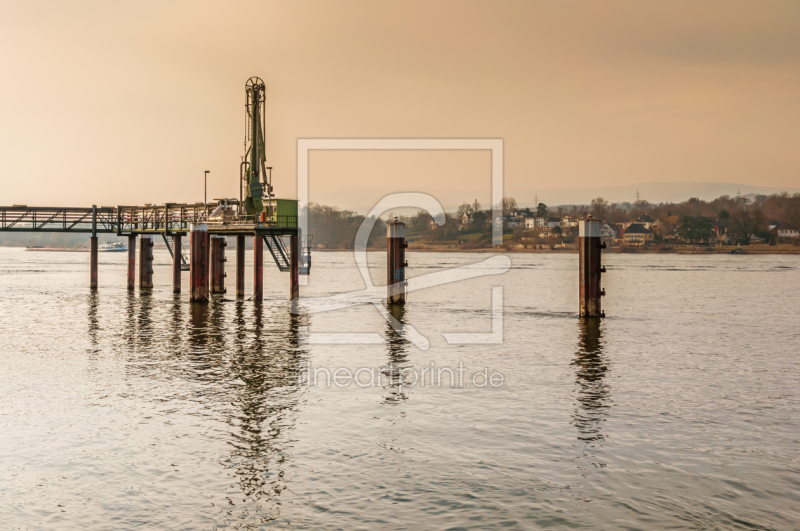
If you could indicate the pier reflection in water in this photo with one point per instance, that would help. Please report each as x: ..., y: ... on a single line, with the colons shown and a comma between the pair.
x: 266, y: 402
x: 245, y: 362
x: 141, y: 411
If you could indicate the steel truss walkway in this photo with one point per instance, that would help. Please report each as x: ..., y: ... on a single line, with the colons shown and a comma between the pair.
x: 167, y: 220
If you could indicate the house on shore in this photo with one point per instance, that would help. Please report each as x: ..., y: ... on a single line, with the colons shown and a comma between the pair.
x: 721, y: 235
x: 607, y: 234
x: 637, y: 235
x: 568, y: 221
x: 783, y: 230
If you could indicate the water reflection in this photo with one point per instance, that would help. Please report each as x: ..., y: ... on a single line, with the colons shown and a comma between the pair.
x: 177, y: 324
x: 593, y: 392
x: 216, y: 334
x: 129, y: 330
x: 264, y: 373
x: 145, y: 322
x: 242, y: 364
x: 240, y: 330
x: 397, y: 350
x: 207, y: 354
x: 198, y: 329
x: 94, y: 325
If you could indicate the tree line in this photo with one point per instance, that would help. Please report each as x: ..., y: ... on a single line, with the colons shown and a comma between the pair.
x: 743, y: 217
x: 331, y: 228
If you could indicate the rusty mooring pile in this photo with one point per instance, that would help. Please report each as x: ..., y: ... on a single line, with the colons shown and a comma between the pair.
x: 396, y: 262
x: 589, y: 247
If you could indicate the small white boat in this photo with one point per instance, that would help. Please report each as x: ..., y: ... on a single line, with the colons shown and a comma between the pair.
x: 112, y: 247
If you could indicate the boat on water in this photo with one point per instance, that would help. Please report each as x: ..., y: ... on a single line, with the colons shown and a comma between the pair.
x: 112, y: 247
x: 56, y: 249
x: 105, y: 247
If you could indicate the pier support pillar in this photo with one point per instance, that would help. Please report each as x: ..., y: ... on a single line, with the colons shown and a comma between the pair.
x: 146, y: 262
x: 396, y: 262
x: 93, y: 262
x: 218, y: 244
x: 198, y: 264
x: 240, y: 266
x: 258, y: 268
x: 176, y: 263
x: 589, y: 246
x: 131, y: 262
x: 294, y: 270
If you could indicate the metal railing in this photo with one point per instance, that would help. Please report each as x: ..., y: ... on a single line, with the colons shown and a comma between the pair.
x: 169, y: 217
x: 166, y: 218
x: 20, y: 218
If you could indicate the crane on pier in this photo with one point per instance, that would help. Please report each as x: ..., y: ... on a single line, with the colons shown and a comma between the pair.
x: 253, y: 172
x: 255, y: 176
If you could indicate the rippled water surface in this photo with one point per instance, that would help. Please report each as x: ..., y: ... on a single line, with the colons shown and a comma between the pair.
x: 141, y: 411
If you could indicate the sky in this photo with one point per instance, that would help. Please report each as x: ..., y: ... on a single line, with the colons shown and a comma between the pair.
x: 129, y: 102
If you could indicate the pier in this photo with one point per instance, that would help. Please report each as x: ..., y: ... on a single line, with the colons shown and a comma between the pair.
x: 207, y: 224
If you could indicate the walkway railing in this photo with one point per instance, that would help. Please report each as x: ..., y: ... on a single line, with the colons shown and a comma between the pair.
x: 165, y: 218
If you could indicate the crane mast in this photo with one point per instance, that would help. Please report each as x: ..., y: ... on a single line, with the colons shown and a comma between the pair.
x: 253, y: 171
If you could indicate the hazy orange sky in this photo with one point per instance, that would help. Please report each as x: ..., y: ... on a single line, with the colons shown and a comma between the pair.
x: 128, y: 102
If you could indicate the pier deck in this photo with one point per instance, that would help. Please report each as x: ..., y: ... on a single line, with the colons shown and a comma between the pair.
x: 166, y: 219
x: 173, y: 221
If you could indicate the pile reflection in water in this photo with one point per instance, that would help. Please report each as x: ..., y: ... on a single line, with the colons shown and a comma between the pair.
x: 397, y: 351
x: 248, y: 364
x: 593, y: 392
x: 131, y: 410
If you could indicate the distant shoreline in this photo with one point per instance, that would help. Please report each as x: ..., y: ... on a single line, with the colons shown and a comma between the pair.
x: 752, y: 249
x: 611, y: 250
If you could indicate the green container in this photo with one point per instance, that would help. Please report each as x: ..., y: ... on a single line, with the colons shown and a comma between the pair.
x: 285, y: 213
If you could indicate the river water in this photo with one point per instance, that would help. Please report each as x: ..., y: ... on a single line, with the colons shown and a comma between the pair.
x: 681, y: 409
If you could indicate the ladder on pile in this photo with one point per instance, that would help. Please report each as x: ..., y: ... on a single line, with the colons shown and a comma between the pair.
x: 277, y: 248
x: 278, y: 251
x: 171, y: 246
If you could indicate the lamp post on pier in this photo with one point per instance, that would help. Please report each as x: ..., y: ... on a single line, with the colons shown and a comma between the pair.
x: 205, y: 187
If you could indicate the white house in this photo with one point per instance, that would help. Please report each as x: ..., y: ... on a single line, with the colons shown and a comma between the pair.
x: 607, y: 233
x: 567, y: 221
x: 530, y: 223
x: 785, y: 232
